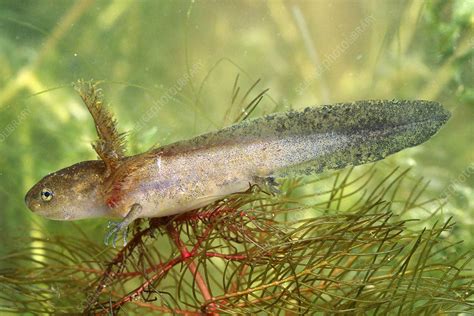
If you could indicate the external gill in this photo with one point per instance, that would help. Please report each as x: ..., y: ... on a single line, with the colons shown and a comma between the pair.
x: 111, y: 148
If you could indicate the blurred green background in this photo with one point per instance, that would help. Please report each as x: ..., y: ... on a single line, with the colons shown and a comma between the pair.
x: 169, y: 68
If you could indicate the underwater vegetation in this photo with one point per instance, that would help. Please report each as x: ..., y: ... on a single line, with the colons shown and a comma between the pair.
x: 393, y: 237
x: 298, y: 253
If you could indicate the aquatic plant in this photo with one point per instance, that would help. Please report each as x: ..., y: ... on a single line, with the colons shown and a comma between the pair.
x: 304, y: 251
x: 378, y: 241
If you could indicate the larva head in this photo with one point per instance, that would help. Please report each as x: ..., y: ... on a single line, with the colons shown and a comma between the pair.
x: 70, y: 193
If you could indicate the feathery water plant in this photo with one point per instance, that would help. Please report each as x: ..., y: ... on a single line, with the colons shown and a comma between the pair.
x: 300, y: 252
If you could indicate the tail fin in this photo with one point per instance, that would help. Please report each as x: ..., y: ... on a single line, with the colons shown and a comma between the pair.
x: 358, y: 133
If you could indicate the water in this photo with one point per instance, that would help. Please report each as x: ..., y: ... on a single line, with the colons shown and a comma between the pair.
x: 170, y: 69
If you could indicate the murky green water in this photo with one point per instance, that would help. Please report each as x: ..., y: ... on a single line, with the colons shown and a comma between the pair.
x: 169, y: 70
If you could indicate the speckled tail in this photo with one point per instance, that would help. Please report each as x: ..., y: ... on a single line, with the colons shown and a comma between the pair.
x: 353, y: 134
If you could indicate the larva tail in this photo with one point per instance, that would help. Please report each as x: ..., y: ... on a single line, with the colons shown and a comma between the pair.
x: 352, y: 134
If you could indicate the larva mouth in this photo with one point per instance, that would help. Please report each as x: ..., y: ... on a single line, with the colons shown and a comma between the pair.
x: 30, y: 200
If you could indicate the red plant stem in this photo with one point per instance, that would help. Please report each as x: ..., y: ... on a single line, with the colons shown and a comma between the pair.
x: 202, y: 238
x: 185, y: 253
x: 199, y: 216
x: 120, y: 255
x: 237, y: 257
x: 165, y: 268
x: 107, y: 276
x: 201, y: 283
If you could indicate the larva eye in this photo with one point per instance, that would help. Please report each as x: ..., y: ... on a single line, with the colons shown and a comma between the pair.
x: 46, y: 194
